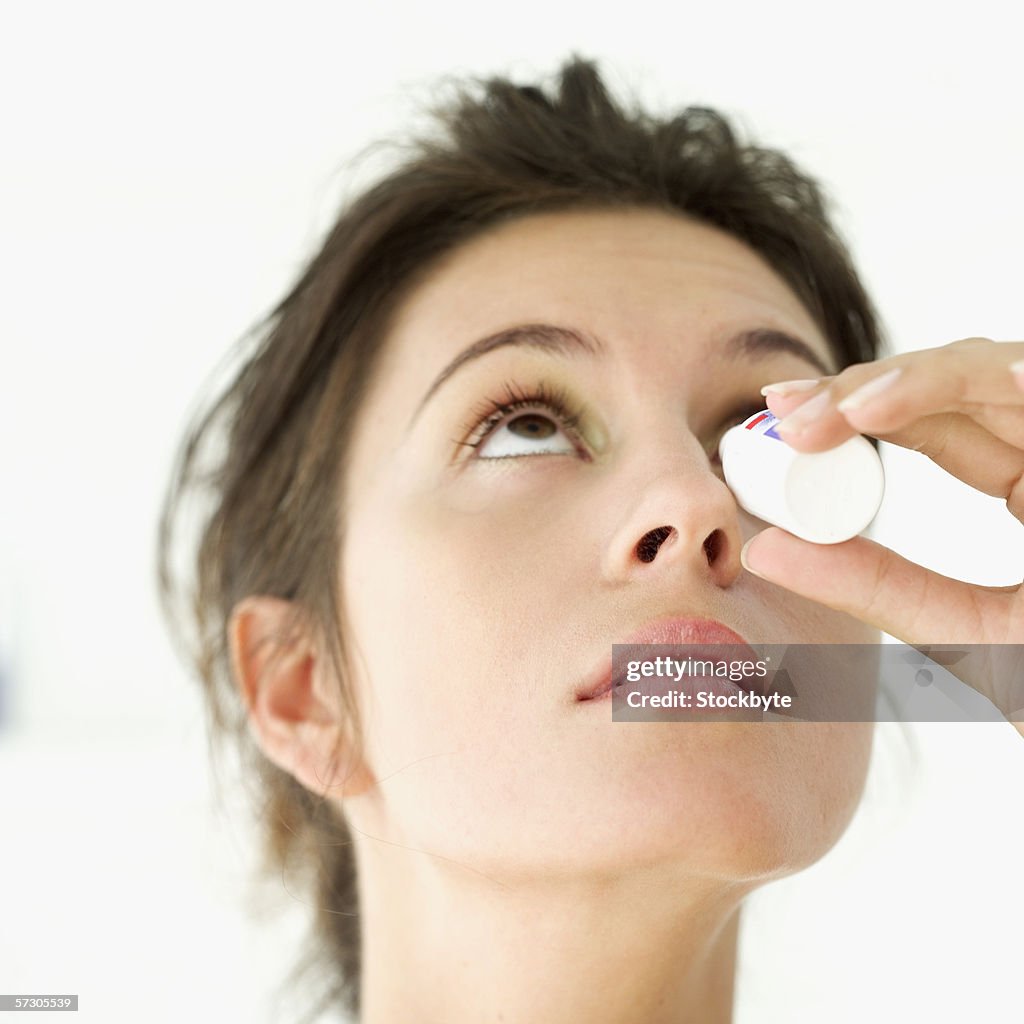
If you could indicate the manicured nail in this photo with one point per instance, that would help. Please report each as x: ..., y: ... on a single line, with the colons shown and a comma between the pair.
x: 743, y: 557
x: 786, y: 387
x: 866, y: 392
x: 796, y: 422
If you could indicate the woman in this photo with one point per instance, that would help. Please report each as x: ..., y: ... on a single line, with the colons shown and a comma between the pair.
x: 474, y: 449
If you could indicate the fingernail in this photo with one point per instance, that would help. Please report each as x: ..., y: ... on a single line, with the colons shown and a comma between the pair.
x: 796, y: 422
x: 1017, y: 369
x: 866, y: 392
x: 786, y: 387
x: 743, y: 557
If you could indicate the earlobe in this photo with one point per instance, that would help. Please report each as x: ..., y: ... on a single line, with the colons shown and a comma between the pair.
x: 280, y: 673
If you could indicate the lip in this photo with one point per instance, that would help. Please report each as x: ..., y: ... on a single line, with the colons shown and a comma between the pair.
x: 674, y: 631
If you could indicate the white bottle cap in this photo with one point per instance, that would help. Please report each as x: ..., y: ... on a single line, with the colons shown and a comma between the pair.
x: 824, y: 497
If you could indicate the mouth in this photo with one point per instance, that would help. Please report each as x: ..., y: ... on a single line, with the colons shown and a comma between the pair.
x: 687, y: 637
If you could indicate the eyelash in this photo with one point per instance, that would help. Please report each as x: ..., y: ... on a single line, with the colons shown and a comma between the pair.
x: 493, y: 410
x: 490, y: 413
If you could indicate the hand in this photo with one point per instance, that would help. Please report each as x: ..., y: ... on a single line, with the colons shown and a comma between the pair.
x: 962, y: 406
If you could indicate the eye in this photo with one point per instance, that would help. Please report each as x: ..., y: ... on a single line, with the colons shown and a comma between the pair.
x: 741, y: 413
x: 528, y: 423
x: 525, y: 423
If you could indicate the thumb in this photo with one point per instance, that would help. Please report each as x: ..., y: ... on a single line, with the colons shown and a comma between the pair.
x: 909, y: 602
x: 865, y: 580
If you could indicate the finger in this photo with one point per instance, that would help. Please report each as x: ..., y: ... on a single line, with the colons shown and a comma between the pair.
x: 877, y: 586
x: 783, y: 405
x: 956, y: 442
x: 979, y: 443
x: 972, y: 377
x: 963, y: 447
x: 969, y: 380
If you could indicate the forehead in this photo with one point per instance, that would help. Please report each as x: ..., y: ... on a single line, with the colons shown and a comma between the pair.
x: 629, y: 274
x: 600, y: 237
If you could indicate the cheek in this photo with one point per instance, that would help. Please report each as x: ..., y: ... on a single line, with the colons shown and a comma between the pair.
x: 444, y: 606
x: 457, y: 584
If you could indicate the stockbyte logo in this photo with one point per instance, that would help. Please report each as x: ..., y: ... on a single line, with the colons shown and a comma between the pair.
x: 772, y: 419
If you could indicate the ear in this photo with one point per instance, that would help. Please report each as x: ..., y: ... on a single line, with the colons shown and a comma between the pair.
x: 294, y: 715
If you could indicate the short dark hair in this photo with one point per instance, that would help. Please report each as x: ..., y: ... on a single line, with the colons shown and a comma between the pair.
x: 269, y: 452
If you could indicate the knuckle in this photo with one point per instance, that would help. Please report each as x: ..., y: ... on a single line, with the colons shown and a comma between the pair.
x: 938, y: 442
x: 877, y: 588
x: 1015, y: 499
x: 930, y: 435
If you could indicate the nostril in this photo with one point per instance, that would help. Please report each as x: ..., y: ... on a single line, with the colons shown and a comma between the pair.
x: 649, y: 544
x: 713, y: 545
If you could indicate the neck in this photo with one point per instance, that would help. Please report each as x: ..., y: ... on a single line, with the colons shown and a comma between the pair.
x: 448, y: 945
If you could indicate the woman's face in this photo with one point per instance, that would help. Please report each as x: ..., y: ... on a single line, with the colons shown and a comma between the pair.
x: 485, y: 577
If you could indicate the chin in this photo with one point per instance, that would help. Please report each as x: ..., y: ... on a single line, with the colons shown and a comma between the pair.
x: 760, y: 803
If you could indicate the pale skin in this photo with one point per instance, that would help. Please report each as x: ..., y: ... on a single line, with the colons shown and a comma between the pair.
x: 521, y: 856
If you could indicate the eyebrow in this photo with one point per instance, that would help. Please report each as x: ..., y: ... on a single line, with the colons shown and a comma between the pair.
x: 755, y: 345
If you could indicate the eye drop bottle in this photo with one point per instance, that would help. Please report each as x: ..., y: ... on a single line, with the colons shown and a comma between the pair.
x: 823, y: 497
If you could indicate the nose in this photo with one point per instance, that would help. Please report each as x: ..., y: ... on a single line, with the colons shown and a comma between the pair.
x: 681, y: 519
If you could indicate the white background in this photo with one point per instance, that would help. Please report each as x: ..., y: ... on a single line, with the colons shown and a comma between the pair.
x: 164, y: 176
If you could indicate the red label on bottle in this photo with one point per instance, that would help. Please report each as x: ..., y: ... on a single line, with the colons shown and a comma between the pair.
x: 757, y: 419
